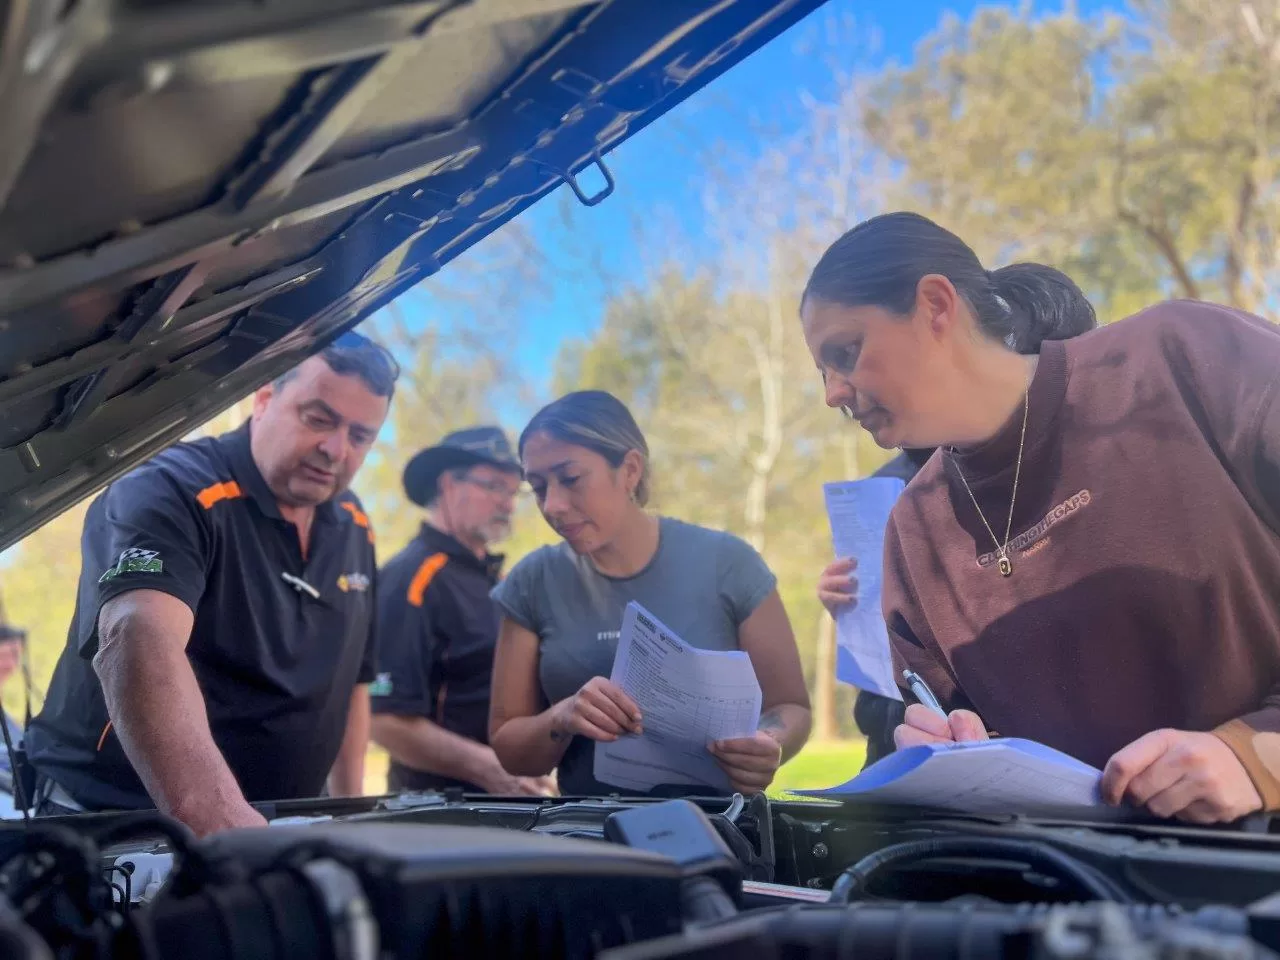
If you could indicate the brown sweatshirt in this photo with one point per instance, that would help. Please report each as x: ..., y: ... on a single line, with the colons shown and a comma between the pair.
x: 1145, y: 591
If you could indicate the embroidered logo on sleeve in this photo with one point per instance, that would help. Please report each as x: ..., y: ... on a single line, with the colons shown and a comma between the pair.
x: 381, y: 686
x: 134, y: 560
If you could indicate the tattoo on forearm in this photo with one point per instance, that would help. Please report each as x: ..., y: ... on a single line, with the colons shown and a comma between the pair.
x: 771, y: 722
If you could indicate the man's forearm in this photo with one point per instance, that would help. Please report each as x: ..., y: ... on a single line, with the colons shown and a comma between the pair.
x: 789, y: 724
x: 159, y: 715
x: 346, y: 779
x: 418, y: 743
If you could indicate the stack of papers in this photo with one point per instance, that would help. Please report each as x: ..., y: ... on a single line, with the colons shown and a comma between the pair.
x: 687, y: 697
x: 1002, y: 776
x: 858, y: 511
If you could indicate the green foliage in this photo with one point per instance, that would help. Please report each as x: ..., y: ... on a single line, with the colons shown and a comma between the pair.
x: 40, y: 597
x: 1138, y: 152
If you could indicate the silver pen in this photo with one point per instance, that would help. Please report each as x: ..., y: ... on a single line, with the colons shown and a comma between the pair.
x: 923, y: 693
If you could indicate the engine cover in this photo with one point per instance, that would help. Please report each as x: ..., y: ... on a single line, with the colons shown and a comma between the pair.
x: 476, y: 891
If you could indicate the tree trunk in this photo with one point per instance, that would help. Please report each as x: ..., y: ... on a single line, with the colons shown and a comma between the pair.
x: 755, y: 509
x: 826, y: 724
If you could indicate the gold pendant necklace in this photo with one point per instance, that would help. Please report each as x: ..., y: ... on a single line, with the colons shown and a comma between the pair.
x: 1003, y: 563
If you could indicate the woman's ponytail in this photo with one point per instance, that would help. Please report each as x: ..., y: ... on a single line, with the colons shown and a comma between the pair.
x: 1043, y: 304
x: 880, y: 262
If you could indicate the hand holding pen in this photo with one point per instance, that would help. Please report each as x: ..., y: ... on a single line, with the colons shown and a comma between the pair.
x: 927, y: 722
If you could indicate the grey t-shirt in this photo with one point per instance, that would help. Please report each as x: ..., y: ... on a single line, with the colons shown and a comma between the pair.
x: 701, y: 583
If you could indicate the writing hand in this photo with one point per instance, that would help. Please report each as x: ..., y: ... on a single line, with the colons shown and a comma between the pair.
x: 1179, y: 773
x: 837, y: 587
x: 749, y: 762
x: 599, y: 711
x: 922, y: 725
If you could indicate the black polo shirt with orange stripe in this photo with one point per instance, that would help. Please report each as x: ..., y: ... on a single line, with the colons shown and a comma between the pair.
x: 437, y: 629
x: 277, y: 665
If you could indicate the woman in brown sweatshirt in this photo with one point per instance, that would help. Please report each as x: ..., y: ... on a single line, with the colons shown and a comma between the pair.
x: 1092, y: 557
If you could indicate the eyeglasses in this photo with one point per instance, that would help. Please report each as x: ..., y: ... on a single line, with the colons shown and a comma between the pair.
x: 495, y: 487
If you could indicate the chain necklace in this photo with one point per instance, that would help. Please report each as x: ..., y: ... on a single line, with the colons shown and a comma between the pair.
x: 1002, y: 552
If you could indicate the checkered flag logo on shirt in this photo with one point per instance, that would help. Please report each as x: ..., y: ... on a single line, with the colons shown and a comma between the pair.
x: 135, y: 560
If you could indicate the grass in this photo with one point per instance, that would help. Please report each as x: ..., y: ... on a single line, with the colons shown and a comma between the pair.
x: 820, y: 764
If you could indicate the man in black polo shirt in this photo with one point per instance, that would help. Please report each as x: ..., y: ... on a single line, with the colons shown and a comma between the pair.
x: 227, y: 602
x: 437, y: 626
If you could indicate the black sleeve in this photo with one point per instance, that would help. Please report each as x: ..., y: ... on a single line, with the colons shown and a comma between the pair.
x: 406, y: 651
x: 877, y: 717
x: 369, y: 662
x: 144, y: 533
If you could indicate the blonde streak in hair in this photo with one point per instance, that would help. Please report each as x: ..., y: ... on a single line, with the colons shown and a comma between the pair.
x: 590, y: 435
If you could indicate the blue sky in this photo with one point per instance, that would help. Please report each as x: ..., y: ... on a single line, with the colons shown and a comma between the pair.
x: 659, y: 170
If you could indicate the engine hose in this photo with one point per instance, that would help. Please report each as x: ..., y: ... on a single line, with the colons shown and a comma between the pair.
x: 274, y: 917
x: 853, y: 883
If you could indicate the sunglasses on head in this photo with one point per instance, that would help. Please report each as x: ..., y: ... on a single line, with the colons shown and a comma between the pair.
x: 358, y: 341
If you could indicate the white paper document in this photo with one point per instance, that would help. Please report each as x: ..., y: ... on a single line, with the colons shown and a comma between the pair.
x: 1001, y: 776
x: 687, y: 698
x: 858, y: 511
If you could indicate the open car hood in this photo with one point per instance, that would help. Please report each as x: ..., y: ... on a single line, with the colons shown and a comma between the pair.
x: 196, y: 195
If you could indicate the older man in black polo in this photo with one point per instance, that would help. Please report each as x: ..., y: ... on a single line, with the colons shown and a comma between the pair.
x: 437, y: 626
x: 222, y: 643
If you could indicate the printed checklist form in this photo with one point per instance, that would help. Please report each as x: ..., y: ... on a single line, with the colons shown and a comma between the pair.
x: 858, y: 511
x: 687, y: 697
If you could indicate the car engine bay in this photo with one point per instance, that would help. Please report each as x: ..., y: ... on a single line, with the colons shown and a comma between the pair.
x: 425, y: 875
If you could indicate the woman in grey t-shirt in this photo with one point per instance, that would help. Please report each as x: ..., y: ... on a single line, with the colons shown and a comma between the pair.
x: 562, y: 607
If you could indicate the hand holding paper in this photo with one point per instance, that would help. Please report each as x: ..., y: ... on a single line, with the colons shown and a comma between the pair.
x: 601, y: 711
x: 858, y: 511
x: 838, y: 585
x: 688, y: 698
x: 749, y: 762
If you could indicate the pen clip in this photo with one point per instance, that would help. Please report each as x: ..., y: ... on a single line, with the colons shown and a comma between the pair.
x: 300, y: 585
x: 922, y: 692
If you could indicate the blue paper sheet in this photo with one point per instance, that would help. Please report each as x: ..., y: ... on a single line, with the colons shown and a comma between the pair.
x: 858, y: 511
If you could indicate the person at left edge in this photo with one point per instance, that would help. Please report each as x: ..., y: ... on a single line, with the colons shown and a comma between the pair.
x: 437, y: 626
x: 222, y: 643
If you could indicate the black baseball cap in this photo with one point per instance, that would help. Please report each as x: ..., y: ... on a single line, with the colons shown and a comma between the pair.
x: 462, y: 448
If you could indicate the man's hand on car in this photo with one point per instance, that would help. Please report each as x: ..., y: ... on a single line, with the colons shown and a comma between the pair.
x: 502, y: 784
x: 1180, y: 773
x: 922, y: 725
x: 210, y: 818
